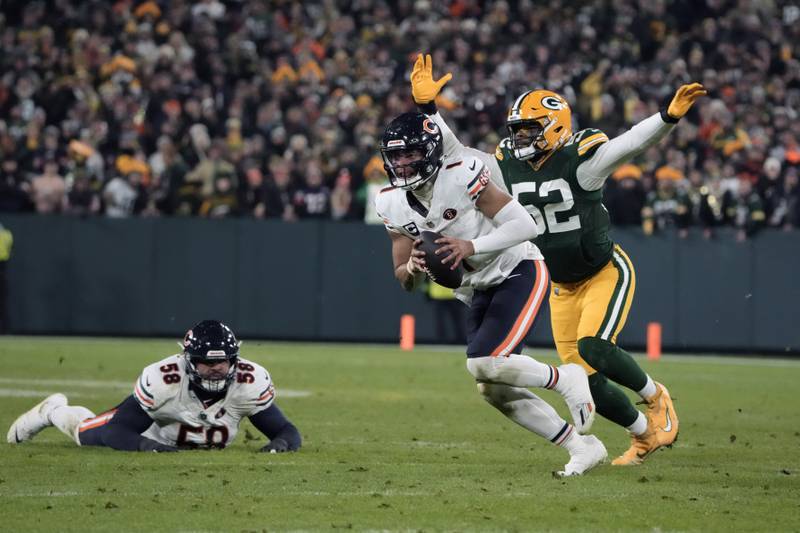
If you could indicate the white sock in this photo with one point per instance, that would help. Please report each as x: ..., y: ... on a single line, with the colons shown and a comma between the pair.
x: 528, y: 410
x: 572, y: 442
x: 649, y: 390
x: 639, y: 426
x: 68, y: 418
x: 516, y: 370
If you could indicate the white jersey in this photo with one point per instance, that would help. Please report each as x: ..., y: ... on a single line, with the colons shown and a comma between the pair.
x: 453, y: 213
x: 181, y: 419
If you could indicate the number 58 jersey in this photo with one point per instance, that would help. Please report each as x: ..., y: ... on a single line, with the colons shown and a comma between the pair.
x: 181, y: 419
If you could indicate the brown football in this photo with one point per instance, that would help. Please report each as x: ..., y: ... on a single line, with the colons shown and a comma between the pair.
x: 436, y: 271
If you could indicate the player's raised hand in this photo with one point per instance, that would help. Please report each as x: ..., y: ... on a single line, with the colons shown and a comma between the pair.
x: 456, y: 250
x: 416, y: 263
x: 684, y: 98
x: 423, y: 87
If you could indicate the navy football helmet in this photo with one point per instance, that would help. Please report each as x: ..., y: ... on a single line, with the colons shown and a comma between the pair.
x: 210, y: 342
x: 412, y: 150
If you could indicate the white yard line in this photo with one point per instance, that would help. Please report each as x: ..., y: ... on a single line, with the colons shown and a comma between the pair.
x: 80, y: 383
x: 90, y: 384
x: 148, y: 494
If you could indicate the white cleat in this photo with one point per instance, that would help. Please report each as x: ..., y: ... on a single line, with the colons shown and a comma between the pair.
x: 34, y: 420
x: 585, y: 453
x: 573, y: 385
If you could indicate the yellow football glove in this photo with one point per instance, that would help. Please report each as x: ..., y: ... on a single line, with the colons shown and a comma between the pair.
x: 423, y: 88
x: 684, y: 98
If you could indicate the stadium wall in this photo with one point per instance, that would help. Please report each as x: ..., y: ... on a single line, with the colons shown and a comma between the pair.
x: 333, y: 282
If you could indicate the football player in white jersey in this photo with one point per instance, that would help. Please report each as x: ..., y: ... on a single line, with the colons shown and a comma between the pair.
x: 195, y: 399
x: 504, y: 283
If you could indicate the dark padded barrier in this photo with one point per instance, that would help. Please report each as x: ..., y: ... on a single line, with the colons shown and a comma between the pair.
x: 278, y: 279
x: 360, y: 298
x: 334, y: 281
x: 112, y: 267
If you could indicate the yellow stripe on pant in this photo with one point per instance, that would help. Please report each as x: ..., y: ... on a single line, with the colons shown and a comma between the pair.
x: 595, y: 307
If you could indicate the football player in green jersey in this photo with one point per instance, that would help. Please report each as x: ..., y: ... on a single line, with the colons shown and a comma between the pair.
x: 558, y: 175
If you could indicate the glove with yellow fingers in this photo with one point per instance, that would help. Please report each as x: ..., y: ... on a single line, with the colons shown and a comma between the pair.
x: 684, y: 99
x: 423, y: 87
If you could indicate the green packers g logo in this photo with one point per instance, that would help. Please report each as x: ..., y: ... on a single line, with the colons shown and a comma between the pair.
x: 551, y: 102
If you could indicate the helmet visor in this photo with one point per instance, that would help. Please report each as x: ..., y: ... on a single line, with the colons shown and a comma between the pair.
x: 525, y: 133
x: 211, y: 374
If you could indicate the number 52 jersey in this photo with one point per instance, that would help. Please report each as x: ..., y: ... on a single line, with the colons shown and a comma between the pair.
x: 573, y: 223
x: 181, y: 419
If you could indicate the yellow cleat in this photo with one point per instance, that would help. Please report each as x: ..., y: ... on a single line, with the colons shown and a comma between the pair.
x: 661, y: 414
x: 641, y: 446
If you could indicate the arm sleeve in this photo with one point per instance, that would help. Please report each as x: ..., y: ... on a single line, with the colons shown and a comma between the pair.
x: 124, y: 430
x: 513, y: 226
x: 593, y: 172
x: 451, y: 143
x: 274, y: 424
x: 452, y: 146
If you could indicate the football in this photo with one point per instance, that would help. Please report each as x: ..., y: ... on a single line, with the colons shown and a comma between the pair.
x: 436, y: 271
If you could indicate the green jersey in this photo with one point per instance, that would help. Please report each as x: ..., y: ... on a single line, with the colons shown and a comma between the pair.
x: 573, y: 223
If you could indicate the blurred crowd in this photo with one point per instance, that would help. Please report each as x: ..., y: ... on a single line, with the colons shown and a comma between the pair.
x: 275, y: 109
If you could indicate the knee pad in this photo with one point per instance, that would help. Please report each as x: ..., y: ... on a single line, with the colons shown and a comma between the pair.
x: 596, y: 352
x: 482, y: 368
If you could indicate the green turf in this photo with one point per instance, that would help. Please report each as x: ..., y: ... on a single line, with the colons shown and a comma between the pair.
x: 399, y: 441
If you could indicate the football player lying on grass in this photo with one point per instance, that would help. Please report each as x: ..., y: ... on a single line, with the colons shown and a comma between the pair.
x: 195, y: 399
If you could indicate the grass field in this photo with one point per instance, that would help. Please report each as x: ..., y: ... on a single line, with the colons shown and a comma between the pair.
x: 399, y: 441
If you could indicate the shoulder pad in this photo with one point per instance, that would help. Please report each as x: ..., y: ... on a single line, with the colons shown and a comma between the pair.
x: 586, y: 141
x: 477, y: 177
x: 159, y: 382
x: 383, y: 206
x: 503, y: 147
x: 252, y: 394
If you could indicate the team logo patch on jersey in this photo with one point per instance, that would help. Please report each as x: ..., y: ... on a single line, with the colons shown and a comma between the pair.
x: 484, y: 177
x: 449, y: 213
x: 411, y: 228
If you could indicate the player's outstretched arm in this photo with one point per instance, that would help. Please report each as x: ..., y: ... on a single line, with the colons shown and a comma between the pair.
x: 424, y: 90
x: 283, y: 435
x: 513, y: 225
x: 124, y: 430
x: 593, y: 172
